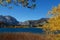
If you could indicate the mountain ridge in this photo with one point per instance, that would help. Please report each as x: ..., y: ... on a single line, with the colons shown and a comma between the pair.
x: 10, y: 21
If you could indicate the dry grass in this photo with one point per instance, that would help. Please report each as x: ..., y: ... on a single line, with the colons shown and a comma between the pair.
x: 25, y: 36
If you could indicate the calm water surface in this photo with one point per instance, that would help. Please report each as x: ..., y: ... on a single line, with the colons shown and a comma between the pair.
x: 33, y: 30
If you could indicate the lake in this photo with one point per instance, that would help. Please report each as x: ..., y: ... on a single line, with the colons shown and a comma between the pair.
x: 33, y: 30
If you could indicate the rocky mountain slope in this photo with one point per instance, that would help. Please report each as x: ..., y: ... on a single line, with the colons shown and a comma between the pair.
x: 9, y: 20
x: 33, y: 23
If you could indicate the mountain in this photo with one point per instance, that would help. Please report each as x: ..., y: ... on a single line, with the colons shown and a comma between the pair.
x: 34, y: 23
x: 9, y: 20
x: 2, y: 19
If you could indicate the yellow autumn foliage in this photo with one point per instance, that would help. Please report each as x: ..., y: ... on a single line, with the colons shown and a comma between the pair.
x: 25, y: 3
x: 8, y: 1
x: 0, y: 1
x: 54, y: 21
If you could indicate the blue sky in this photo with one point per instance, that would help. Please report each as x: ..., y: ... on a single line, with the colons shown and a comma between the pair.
x: 23, y: 14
